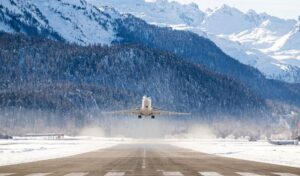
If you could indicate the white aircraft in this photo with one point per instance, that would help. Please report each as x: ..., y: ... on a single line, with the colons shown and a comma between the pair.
x: 146, y: 110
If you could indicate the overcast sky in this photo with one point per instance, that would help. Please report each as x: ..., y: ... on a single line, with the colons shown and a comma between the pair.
x: 280, y: 8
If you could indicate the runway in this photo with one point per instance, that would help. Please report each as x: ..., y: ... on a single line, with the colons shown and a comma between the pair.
x: 146, y: 160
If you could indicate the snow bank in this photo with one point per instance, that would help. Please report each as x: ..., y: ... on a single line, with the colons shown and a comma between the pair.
x: 22, y: 150
x: 260, y: 151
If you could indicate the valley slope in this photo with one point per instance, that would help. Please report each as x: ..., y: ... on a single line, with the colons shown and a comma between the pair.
x: 48, y: 77
x: 69, y: 59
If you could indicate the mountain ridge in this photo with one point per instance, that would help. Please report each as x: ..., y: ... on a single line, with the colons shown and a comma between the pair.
x: 187, y: 45
x: 72, y: 21
x: 248, y: 34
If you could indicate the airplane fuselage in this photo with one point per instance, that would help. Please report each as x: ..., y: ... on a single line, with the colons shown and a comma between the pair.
x: 146, y: 109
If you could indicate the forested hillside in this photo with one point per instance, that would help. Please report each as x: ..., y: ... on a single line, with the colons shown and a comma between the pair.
x: 63, y: 63
x: 200, y: 50
x: 42, y: 74
x: 59, y: 20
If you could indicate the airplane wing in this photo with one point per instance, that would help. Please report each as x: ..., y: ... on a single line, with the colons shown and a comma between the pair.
x: 124, y: 112
x: 161, y: 112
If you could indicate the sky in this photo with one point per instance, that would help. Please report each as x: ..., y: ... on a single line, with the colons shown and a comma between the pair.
x: 288, y: 9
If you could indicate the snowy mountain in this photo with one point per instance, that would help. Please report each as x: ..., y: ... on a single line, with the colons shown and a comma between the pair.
x: 248, y: 37
x: 231, y: 21
x: 271, y: 67
x: 104, y: 25
x: 72, y: 20
x: 176, y: 14
x: 289, y: 41
x: 227, y: 20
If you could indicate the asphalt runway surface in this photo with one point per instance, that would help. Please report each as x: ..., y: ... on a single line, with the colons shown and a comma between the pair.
x: 147, y: 159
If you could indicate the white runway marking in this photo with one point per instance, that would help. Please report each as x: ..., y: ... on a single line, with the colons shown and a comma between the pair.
x: 6, y: 174
x: 172, y: 174
x: 248, y: 174
x: 38, y: 174
x: 284, y: 174
x: 115, y: 174
x: 209, y: 174
x: 144, y: 159
x: 77, y: 174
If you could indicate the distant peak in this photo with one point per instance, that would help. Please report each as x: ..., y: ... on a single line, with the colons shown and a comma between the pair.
x: 209, y: 10
x: 111, y: 11
x: 162, y: 1
x: 194, y: 5
x: 251, y: 12
x: 227, y: 9
x: 225, y: 6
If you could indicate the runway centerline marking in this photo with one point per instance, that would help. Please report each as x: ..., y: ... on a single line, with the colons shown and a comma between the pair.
x: 144, y: 159
x: 210, y: 174
x: 115, y: 174
x: 38, y: 174
x: 248, y: 174
x: 284, y: 174
x: 77, y: 174
x: 6, y: 174
x: 172, y: 174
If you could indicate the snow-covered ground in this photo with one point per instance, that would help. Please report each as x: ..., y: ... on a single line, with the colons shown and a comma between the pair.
x: 22, y: 150
x: 260, y: 151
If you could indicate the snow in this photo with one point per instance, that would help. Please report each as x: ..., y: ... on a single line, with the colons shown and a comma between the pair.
x: 289, y: 41
x: 273, y: 42
x: 260, y: 151
x: 258, y: 37
x: 235, y: 32
x: 269, y: 66
x: 78, y: 25
x: 22, y: 150
x: 161, y: 11
x: 5, y: 28
x: 281, y: 42
x: 227, y: 20
x: 76, y: 21
x: 11, y: 7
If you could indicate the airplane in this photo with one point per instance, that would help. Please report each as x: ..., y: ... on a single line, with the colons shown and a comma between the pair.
x: 146, y: 110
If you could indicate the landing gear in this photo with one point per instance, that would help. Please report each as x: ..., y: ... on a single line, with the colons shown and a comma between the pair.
x: 153, y: 117
x: 139, y: 116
